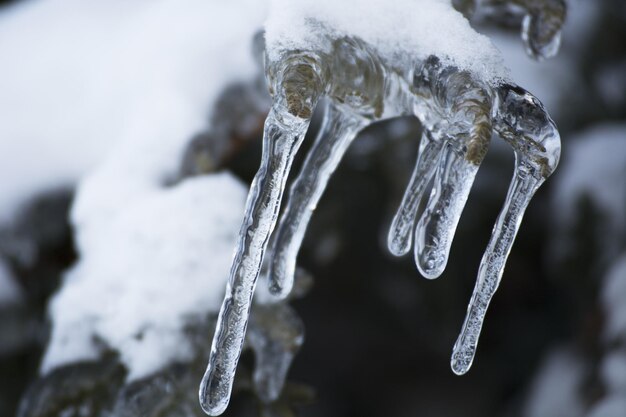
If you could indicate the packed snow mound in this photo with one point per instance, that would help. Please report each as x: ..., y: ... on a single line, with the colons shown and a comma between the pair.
x: 158, y: 266
x: 403, y: 33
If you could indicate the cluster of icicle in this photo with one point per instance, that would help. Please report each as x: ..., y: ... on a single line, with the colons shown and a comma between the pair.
x: 459, y: 113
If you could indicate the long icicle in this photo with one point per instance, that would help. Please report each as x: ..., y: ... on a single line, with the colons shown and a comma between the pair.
x: 400, y: 235
x: 283, y: 134
x: 437, y: 225
x: 525, y: 183
x: 336, y: 134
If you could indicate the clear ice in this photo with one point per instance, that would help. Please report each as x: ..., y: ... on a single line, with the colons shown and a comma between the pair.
x: 542, y: 21
x: 459, y: 113
x: 275, y: 335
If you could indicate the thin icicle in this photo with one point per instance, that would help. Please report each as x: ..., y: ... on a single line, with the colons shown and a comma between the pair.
x: 522, y: 189
x: 336, y: 135
x: 522, y: 121
x: 275, y: 335
x: 282, y: 136
x: 400, y: 236
x: 435, y: 229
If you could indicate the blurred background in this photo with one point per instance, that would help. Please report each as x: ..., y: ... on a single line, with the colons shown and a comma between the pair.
x: 80, y: 79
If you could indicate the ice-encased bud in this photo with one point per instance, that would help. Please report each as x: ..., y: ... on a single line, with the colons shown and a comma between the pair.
x: 275, y: 335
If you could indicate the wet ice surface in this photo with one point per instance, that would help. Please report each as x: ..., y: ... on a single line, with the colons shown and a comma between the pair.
x: 460, y: 108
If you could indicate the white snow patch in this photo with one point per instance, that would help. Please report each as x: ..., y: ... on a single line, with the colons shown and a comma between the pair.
x: 80, y: 77
x: 162, y: 262
x: 402, y: 32
x: 554, y: 392
x: 613, y: 371
x: 593, y: 164
x: 142, y: 78
x: 613, y: 406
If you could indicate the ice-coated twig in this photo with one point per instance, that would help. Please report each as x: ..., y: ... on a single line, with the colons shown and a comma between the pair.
x: 336, y: 134
x: 435, y: 230
x: 522, y: 121
x: 298, y: 87
x: 400, y: 236
x: 276, y: 334
x: 463, y: 106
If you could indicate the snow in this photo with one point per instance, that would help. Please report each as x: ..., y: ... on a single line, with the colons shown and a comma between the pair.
x: 613, y: 406
x: 136, y: 81
x: 593, y: 164
x: 160, y: 264
x: 79, y: 78
x: 613, y: 371
x: 554, y: 392
x: 409, y: 31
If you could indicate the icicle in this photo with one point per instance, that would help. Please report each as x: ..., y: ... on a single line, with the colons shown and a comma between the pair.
x: 492, y: 265
x: 276, y: 334
x: 455, y: 105
x: 435, y: 229
x: 336, y: 134
x: 541, y: 27
x: 282, y: 136
x: 400, y: 235
x: 521, y: 120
